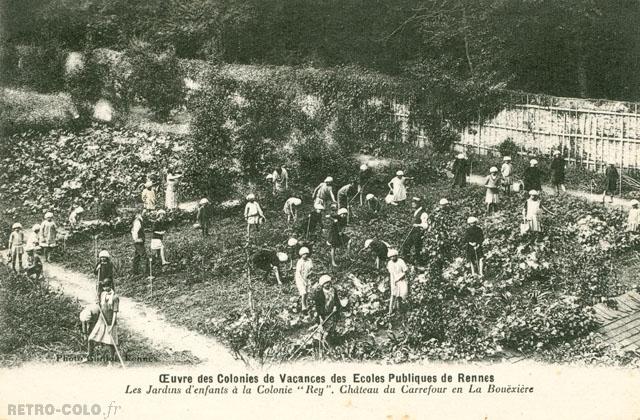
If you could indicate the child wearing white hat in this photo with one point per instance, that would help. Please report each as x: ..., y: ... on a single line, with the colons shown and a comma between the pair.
x: 473, y: 239
x: 149, y: 196
x: 364, y: 177
x: 48, y: 235
x: 253, y: 214
x: 323, y: 194
x: 493, y: 184
x: 290, y: 209
x: 104, y: 270
x: 460, y: 170
x: 633, y: 220
x: 398, y: 278
x: 16, y: 246
x: 301, y: 276
x: 373, y: 204
x: 532, y: 213
x: 532, y: 177
x: 397, y: 187
x: 314, y: 221
x: 269, y: 261
x: 557, y: 172
x: 337, y: 238
x: 507, y: 174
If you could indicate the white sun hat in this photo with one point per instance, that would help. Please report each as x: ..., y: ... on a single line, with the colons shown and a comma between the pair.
x: 369, y: 196
x: 363, y: 167
x: 79, y: 209
x: 318, y: 206
x: 472, y: 220
x: 399, y: 173
x: 493, y: 169
x: 533, y: 162
x: 328, y: 179
x: 368, y: 243
x: 35, y: 227
x: 416, y: 199
x: 104, y: 253
x: 270, y: 176
x: 204, y: 201
x: 556, y: 152
x: 444, y: 201
x: 392, y: 253
x: 342, y: 211
x: 296, y: 201
x: 460, y: 156
x: 303, y: 251
x: 16, y: 226
x: 635, y: 202
x: 324, y: 279
x: 506, y: 158
x: 251, y: 197
x: 148, y: 184
x: 282, y: 257
x: 292, y: 242
x: 534, y: 192
x: 48, y: 215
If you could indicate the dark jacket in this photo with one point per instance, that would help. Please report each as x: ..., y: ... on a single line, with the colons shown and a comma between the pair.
x: 532, y: 179
x: 557, y: 171
x: 319, y: 301
x: 460, y: 172
x: 611, y: 178
x: 265, y: 260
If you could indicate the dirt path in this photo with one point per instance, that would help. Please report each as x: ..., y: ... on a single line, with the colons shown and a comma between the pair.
x: 143, y: 320
x: 596, y: 197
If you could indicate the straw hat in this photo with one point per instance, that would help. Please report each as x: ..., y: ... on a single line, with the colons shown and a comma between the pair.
x: 292, y: 242
x: 472, y: 220
x: 342, y: 211
x: 444, y: 201
x: 251, y: 197
x: 392, y: 253
x: 324, y: 279
x: 493, y: 169
x: 303, y: 251
x: 282, y: 257
x: 104, y: 254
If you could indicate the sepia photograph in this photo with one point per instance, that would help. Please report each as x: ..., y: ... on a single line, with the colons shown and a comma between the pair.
x: 303, y: 200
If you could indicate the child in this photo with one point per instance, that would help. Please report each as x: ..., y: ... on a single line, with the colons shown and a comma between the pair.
x: 204, y: 215
x: 16, y: 246
x: 34, y: 264
x: 337, y: 238
x: 473, y: 239
x: 159, y: 230
x: 268, y: 261
x: 33, y: 238
x: 492, y: 183
x: 460, y: 171
x: 345, y: 194
x: 610, y: 182
x: 327, y: 305
x: 633, y: 220
x: 303, y: 269
x: 397, y: 188
x: 420, y: 225
x: 364, y: 177
x: 532, y: 177
x: 104, y: 271
x: 557, y: 172
x: 314, y: 221
x: 378, y: 248
x: 149, y: 196
x: 253, y: 214
x: 48, y: 235
x: 280, y: 178
x: 290, y: 209
x: 373, y: 203
x: 323, y: 194
x: 532, y: 213
x: 75, y: 216
x: 507, y: 174
x: 398, y: 278
x: 88, y: 318
x: 106, y: 329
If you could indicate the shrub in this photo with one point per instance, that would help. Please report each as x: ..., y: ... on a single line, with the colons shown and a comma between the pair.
x: 40, y: 68
x: 155, y: 78
x: 22, y: 110
x: 86, y: 84
x: 508, y: 148
x: 443, y: 138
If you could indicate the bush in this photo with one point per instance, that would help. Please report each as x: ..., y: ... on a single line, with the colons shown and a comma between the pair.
x: 443, y: 138
x: 22, y: 110
x: 87, y: 83
x: 508, y: 148
x: 40, y: 68
x: 155, y: 78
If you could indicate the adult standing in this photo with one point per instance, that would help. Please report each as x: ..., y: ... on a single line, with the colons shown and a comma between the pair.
x: 557, y: 172
x: 323, y: 194
x: 48, y: 235
x: 398, y: 278
x: 610, y: 182
x: 301, y: 276
x: 473, y: 239
x: 104, y: 270
x: 460, y: 170
x: 418, y: 228
x: 140, y: 252
x: 532, y: 177
x: 397, y: 188
x: 337, y: 238
x: 280, y: 178
x: 171, y: 193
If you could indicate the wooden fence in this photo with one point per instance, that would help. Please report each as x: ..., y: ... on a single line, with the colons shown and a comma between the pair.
x: 589, y: 132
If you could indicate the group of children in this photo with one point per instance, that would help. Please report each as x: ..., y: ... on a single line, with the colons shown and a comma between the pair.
x: 42, y: 239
